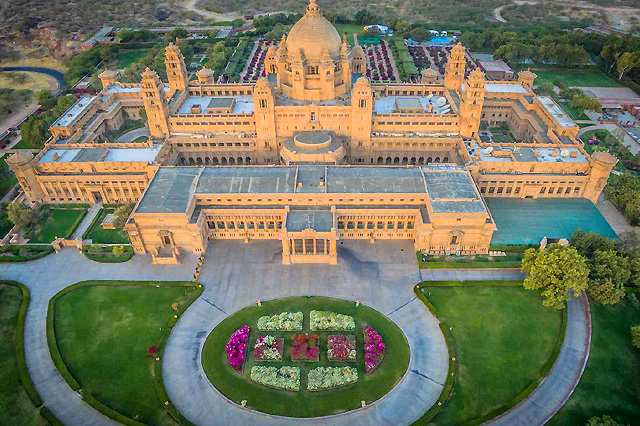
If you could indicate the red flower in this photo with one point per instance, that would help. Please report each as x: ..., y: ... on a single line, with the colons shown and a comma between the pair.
x: 152, y: 350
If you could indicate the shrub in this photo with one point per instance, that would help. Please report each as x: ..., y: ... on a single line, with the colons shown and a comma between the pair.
x: 635, y: 336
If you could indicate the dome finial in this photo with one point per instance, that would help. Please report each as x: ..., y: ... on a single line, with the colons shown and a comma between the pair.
x: 313, y: 7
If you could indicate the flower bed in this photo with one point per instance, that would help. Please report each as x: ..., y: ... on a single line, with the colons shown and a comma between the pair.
x: 323, y: 378
x: 237, y: 347
x: 285, y: 377
x: 305, y: 347
x: 374, y: 349
x: 268, y: 348
x: 341, y: 348
x: 331, y: 321
x: 285, y: 321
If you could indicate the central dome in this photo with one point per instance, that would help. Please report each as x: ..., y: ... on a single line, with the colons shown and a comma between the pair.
x: 313, y: 34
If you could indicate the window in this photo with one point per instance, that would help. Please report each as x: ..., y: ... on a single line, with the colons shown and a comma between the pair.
x: 454, y: 240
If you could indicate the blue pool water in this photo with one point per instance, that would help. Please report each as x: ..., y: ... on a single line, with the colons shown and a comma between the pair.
x: 440, y: 40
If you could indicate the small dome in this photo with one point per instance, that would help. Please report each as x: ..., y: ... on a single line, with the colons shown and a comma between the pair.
x: 205, y: 72
x: 605, y: 158
x: 362, y: 81
x: 430, y: 72
x: 313, y: 35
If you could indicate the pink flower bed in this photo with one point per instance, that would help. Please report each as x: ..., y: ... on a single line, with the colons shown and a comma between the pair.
x: 341, y: 348
x: 374, y: 349
x: 237, y: 347
x: 305, y: 347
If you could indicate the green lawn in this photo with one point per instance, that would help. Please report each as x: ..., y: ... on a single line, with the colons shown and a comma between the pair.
x: 103, y: 333
x: 21, y: 145
x: 98, y: 235
x: 129, y: 56
x: 56, y: 223
x: 575, y: 77
x: 15, y: 406
x: 572, y: 112
x: 503, y: 338
x: 303, y: 403
x: 610, y: 383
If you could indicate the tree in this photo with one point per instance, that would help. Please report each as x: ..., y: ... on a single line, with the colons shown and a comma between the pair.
x: 20, y: 214
x: 109, y: 52
x: 588, y: 242
x: 364, y: 17
x: 419, y: 33
x: 24, y: 95
x: 544, y: 89
x: 46, y: 99
x: 121, y: 214
x: 555, y: 271
x: 626, y: 62
x: 609, y: 272
x: 569, y: 92
x: 602, y: 421
x: 177, y: 33
x: 584, y: 102
x: 635, y: 336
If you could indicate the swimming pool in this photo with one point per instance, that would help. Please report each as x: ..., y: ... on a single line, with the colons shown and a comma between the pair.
x: 440, y: 40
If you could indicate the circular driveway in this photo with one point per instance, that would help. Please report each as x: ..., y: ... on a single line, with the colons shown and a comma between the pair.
x: 236, y: 275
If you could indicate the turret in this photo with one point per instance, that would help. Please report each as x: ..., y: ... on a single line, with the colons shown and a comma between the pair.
x: 23, y: 166
x: 526, y: 78
x: 428, y: 76
x: 176, y: 69
x: 472, y: 100
x: 270, y: 60
x: 361, y: 113
x: 265, y: 118
x: 155, y: 104
x: 205, y: 76
x: 108, y: 78
x: 601, y: 165
x: 358, y: 60
x: 455, y: 69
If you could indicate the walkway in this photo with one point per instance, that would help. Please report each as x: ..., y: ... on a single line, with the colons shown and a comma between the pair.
x: 235, y: 275
x: 545, y: 401
x: 616, y: 220
x: 87, y: 220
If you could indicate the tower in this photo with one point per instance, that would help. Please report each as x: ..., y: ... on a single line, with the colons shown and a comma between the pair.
x: 361, y: 113
x: 454, y: 71
x: 358, y: 60
x: 526, y: 78
x: 23, y: 166
x: 471, y: 104
x: 176, y: 69
x: 265, y: 118
x: 155, y: 104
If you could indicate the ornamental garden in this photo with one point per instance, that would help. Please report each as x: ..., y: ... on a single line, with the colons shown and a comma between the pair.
x: 305, y: 356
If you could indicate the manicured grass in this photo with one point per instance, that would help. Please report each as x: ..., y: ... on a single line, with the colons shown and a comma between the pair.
x: 575, y: 77
x: 98, y: 235
x: 16, y: 409
x: 511, y: 260
x: 303, y: 403
x: 129, y: 56
x: 609, y: 384
x: 57, y: 223
x: 103, y: 333
x: 572, y: 112
x: 583, y: 125
x: 21, y: 145
x: 503, y: 339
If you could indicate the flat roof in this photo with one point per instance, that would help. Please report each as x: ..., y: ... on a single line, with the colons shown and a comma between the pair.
x: 169, y: 191
x: 320, y: 220
x: 87, y: 155
x: 505, y: 88
x: 218, y: 103
x: 246, y: 180
x: 74, y: 111
x: 390, y: 104
x: 451, y: 190
x: 243, y: 105
x: 369, y: 179
x: 115, y: 88
x: 529, y: 154
x: 556, y: 112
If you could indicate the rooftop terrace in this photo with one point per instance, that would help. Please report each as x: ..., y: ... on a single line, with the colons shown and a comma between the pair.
x: 85, y: 155
x: 74, y: 111
x: 243, y: 103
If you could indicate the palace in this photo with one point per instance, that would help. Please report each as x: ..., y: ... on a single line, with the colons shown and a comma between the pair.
x: 312, y: 153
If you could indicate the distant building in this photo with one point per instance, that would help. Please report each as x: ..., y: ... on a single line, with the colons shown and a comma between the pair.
x: 496, y: 70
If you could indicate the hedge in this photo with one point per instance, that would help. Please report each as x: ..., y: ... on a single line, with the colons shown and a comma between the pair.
x: 447, y: 389
x: 89, y: 230
x: 69, y: 206
x: 514, y: 248
x: 103, y: 258
x: 515, y: 283
x: 41, y: 251
x: 157, y: 366
x: 50, y: 417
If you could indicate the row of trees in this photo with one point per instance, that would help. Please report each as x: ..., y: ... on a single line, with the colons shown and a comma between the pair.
x: 624, y: 192
x: 592, y: 263
x: 562, y: 54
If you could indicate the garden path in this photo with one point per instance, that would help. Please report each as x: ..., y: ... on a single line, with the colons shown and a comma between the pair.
x: 235, y: 275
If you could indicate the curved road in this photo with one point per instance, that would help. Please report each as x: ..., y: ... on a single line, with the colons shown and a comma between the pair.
x: 230, y: 269
x: 58, y: 75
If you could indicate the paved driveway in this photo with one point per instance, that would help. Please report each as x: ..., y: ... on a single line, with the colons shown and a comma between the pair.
x: 235, y: 275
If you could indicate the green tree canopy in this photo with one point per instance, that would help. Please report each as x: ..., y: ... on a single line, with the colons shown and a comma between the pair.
x: 602, y: 421
x: 609, y: 272
x: 555, y: 270
x: 20, y: 214
x: 635, y: 336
